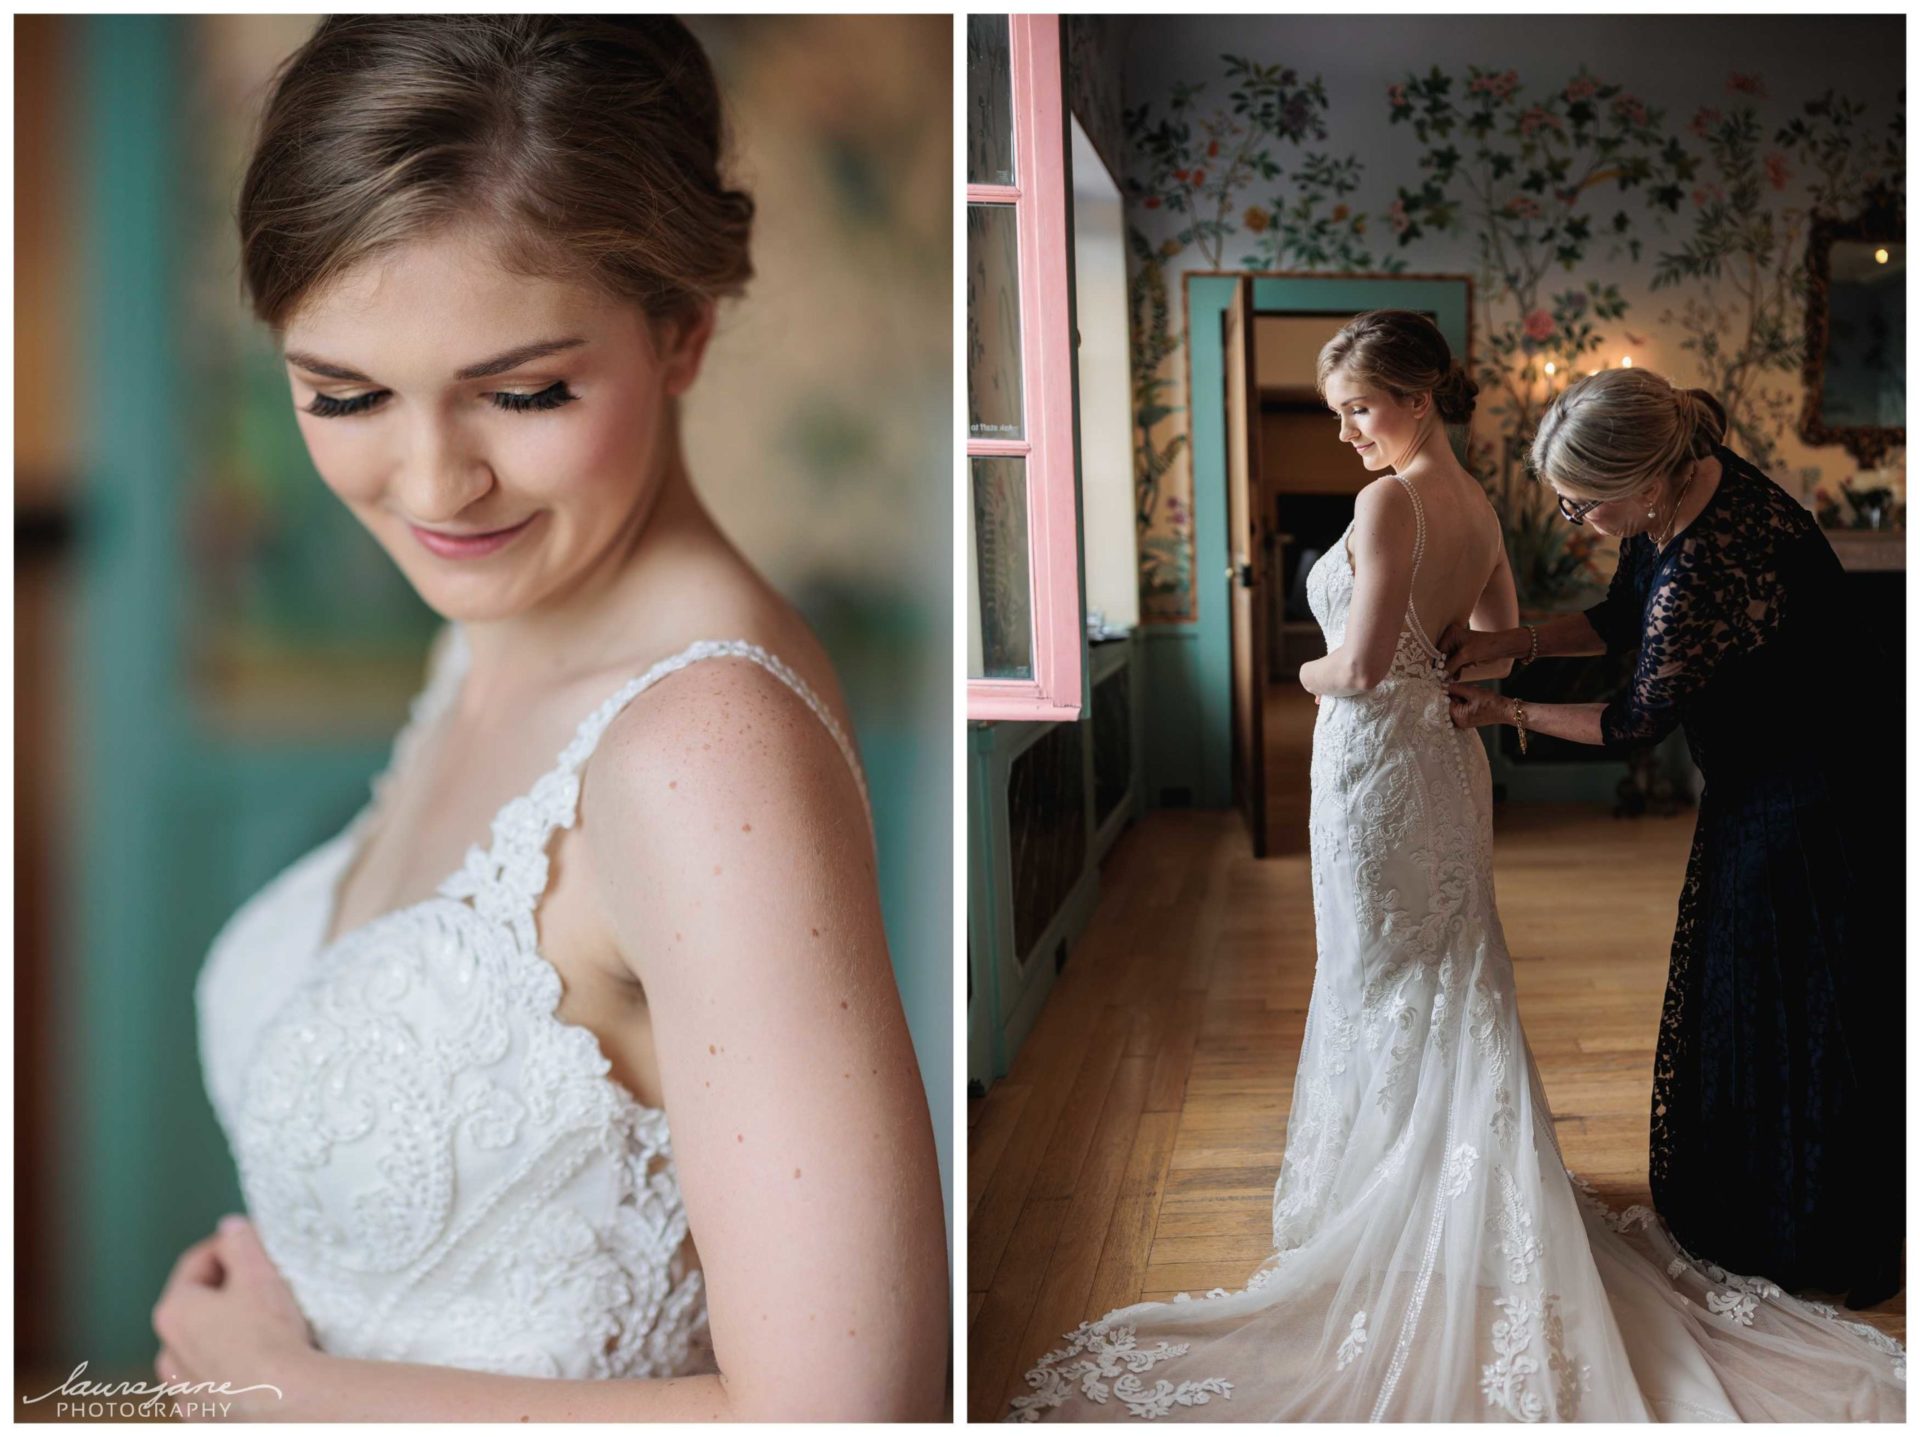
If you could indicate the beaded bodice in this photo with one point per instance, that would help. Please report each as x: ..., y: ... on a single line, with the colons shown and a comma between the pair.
x: 441, y: 1168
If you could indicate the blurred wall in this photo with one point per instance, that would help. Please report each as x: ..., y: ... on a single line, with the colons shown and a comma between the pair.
x: 45, y: 461
x: 239, y: 652
x: 1105, y: 395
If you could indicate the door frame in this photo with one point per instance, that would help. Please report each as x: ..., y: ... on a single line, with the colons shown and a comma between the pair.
x: 1246, y: 582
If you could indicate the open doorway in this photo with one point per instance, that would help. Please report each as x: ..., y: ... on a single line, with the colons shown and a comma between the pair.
x: 1306, y: 487
x: 1290, y: 492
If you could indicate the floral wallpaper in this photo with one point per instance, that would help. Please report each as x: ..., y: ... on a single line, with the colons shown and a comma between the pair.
x: 1597, y: 225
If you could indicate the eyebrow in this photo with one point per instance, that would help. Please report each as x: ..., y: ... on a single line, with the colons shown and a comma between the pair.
x: 485, y: 369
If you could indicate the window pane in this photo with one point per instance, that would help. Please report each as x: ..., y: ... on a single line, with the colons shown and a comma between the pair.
x: 989, y: 102
x: 1002, y: 587
x: 993, y: 323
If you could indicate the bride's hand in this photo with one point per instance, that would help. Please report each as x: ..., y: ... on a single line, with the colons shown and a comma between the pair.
x: 1471, y: 706
x: 1465, y: 647
x: 225, y: 1317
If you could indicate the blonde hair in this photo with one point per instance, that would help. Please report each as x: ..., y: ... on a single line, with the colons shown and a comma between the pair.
x: 1615, y: 432
x: 1404, y: 353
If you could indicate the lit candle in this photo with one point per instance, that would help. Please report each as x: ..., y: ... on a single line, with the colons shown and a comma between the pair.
x: 1879, y: 256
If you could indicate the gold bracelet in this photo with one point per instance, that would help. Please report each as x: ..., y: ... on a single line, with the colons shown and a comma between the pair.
x: 1533, y: 644
x: 1520, y: 723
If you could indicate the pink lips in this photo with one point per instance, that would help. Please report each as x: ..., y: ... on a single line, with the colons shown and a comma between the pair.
x: 468, y: 546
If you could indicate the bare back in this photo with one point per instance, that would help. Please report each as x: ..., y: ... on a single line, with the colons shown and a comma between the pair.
x: 1464, y: 551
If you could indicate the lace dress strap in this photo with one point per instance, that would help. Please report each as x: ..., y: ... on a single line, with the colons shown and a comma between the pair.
x: 1414, y: 626
x: 576, y: 753
x: 1419, y: 528
x: 505, y: 881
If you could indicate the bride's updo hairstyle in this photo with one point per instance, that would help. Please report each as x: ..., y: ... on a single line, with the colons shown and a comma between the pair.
x: 1403, y: 353
x: 587, y: 147
x: 1618, y: 431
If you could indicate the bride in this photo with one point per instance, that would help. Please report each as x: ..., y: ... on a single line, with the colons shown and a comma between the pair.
x: 1433, y: 1258
x: 621, y: 868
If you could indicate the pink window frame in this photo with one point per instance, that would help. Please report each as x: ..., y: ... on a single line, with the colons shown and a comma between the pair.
x: 1041, y: 219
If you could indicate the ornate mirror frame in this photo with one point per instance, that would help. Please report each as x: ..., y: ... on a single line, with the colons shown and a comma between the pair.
x: 1882, y: 222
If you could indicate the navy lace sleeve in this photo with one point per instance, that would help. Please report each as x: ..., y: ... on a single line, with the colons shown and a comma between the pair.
x: 1718, y: 596
x: 1616, y: 618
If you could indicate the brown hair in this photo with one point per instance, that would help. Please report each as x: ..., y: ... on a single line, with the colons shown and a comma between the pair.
x: 590, y: 144
x: 1404, y: 353
x: 1617, y: 431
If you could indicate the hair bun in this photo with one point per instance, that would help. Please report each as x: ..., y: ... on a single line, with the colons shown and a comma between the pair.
x: 1453, y: 396
x: 1706, y: 415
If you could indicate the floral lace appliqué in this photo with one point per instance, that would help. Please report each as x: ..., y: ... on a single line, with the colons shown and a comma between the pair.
x: 1099, y: 1363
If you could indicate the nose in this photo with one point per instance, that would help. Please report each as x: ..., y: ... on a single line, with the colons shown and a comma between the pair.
x: 441, y: 475
x: 1348, y: 430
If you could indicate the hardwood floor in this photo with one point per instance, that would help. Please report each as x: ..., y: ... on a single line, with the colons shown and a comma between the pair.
x: 1132, y: 1151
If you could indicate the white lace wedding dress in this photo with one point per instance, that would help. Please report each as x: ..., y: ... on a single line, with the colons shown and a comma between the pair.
x: 440, y: 1167
x: 1434, y: 1260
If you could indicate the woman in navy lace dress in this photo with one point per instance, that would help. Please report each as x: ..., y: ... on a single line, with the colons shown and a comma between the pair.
x: 1777, y: 1141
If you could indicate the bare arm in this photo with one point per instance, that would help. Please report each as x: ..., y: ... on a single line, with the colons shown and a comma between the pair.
x: 1611, y: 624
x: 1469, y: 650
x: 346, y: 1389
x: 1473, y: 707
x: 734, y: 856
x: 1382, y: 544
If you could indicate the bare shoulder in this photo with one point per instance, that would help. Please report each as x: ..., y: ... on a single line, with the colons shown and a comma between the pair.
x: 1379, y: 492
x: 1382, y: 514
x: 739, y: 603
x: 1382, y: 502
x: 722, y: 737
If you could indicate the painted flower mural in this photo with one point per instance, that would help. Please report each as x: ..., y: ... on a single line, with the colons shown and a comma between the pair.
x: 1743, y: 263
x: 1579, y: 198
x: 1235, y: 170
x: 1540, y: 180
x: 1163, y: 520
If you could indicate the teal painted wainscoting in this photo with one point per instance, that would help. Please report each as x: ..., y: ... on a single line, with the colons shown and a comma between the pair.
x: 1045, y: 802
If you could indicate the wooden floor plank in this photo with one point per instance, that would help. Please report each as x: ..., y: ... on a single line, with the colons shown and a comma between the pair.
x: 1061, y: 1302
x: 989, y: 1134
x: 994, y: 1355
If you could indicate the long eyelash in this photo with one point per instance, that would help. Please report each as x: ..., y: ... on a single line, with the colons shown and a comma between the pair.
x: 552, y: 397
x: 325, y: 406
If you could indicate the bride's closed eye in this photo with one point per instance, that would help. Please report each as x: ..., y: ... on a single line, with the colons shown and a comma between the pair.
x: 325, y: 406
x: 552, y: 397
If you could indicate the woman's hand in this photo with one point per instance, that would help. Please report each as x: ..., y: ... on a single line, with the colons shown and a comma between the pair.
x: 228, y: 1319
x: 1465, y: 647
x: 1471, y: 706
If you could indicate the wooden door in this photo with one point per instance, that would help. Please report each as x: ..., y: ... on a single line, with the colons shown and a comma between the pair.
x: 1246, y: 565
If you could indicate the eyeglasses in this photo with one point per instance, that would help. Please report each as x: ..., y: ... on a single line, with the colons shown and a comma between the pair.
x: 1576, y: 512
